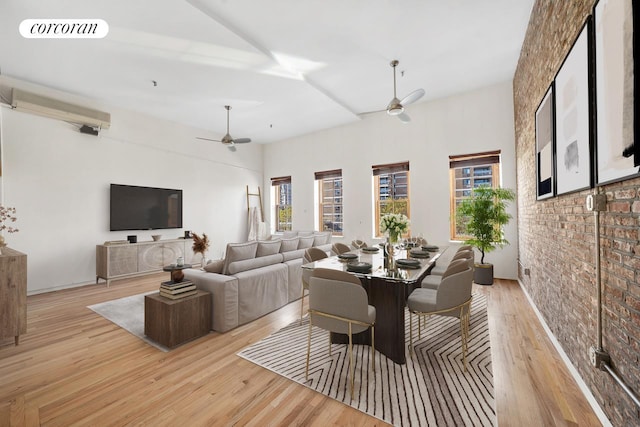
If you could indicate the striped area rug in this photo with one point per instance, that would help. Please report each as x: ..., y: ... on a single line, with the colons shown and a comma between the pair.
x: 432, y: 389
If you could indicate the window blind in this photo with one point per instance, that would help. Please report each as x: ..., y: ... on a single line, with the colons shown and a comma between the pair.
x: 390, y: 168
x: 335, y: 173
x: 281, y: 180
x: 469, y: 160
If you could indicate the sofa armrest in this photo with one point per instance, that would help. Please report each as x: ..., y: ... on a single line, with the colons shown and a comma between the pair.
x: 224, y: 297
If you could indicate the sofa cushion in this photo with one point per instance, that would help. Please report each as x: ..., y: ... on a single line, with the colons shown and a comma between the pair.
x: 253, y: 263
x: 305, y: 242
x: 321, y: 238
x: 238, y: 252
x: 289, y: 234
x: 298, y: 253
x: 288, y: 245
x: 305, y: 233
x: 214, y: 266
x: 268, y: 248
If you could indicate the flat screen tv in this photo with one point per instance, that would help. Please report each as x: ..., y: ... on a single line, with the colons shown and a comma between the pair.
x: 144, y: 208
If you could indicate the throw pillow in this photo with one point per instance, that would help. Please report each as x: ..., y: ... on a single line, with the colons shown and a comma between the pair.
x: 305, y: 242
x: 288, y: 245
x: 268, y: 248
x: 214, y: 266
x: 239, y: 252
x: 321, y: 238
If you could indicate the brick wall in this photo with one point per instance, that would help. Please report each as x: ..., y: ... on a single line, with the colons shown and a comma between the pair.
x: 556, y: 236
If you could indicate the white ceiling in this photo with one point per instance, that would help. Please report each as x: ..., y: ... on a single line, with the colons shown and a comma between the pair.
x: 287, y: 67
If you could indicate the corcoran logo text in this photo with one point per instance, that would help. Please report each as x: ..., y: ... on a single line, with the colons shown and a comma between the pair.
x: 64, y: 28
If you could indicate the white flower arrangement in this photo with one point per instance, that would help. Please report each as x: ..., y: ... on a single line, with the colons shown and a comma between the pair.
x: 394, y: 224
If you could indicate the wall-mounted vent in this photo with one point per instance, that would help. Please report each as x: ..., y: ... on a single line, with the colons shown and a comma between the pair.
x: 52, y: 108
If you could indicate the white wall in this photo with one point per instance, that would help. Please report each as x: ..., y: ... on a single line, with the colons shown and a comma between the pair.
x: 58, y: 179
x: 473, y: 122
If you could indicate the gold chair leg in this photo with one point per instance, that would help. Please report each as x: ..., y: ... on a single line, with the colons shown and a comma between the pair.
x: 351, y: 360
x: 411, y: 332
x: 302, y: 305
x: 373, y: 348
x: 306, y: 371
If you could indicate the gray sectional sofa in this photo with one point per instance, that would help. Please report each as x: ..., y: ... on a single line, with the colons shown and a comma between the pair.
x: 256, y: 278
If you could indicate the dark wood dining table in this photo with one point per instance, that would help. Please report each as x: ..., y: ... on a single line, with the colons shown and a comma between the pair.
x: 388, y: 290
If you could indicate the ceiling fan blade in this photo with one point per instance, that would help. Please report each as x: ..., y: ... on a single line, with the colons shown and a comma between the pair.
x: 404, y: 117
x: 208, y: 139
x: 370, y: 112
x: 241, y: 140
x: 412, y: 97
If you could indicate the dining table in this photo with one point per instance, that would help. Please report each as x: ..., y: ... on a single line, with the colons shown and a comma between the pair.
x: 388, y: 285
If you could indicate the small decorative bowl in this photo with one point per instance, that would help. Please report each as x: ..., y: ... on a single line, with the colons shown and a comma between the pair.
x: 156, y: 237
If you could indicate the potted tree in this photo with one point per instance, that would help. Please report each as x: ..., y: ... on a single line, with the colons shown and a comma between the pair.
x: 482, y: 217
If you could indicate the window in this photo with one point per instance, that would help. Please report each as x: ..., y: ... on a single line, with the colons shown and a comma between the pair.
x: 391, y: 191
x: 467, y: 172
x: 282, y: 198
x: 329, y: 185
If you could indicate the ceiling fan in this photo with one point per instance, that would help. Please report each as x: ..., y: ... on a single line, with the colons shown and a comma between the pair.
x: 396, y: 106
x: 227, y: 139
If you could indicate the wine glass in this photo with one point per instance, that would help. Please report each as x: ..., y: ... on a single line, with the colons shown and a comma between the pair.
x: 358, y: 243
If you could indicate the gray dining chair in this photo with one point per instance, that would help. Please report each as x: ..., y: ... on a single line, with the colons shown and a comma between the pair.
x: 439, y: 269
x: 340, y: 306
x: 452, y: 298
x: 310, y: 255
x: 340, y: 248
x: 455, y: 266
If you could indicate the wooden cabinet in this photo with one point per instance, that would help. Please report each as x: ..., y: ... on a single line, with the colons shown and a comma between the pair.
x: 13, y: 294
x: 132, y: 259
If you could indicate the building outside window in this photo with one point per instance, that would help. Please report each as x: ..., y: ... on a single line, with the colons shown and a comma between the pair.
x: 391, y: 191
x: 282, y: 197
x: 330, y: 214
x: 466, y: 172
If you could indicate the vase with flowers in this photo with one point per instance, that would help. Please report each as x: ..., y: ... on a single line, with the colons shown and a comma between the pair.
x: 394, y: 225
x: 7, y: 215
x: 200, y: 245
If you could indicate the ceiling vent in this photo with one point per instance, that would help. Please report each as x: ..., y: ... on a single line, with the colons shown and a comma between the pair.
x: 52, y: 108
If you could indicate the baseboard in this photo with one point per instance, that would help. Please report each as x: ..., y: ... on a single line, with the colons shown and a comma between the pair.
x: 572, y: 369
x: 62, y: 287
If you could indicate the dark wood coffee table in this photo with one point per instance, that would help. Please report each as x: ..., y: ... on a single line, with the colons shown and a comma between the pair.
x: 174, y: 322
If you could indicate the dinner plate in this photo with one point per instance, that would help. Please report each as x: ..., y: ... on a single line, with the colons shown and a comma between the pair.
x: 408, y: 263
x: 430, y: 248
x: 419, y: 253
x: 359, y: 267
x: 370, y: 249
x: 348, y: 255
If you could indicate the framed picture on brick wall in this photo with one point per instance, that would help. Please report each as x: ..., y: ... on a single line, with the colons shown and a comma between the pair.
x: 573, y: 99
x: 545, y: 147
x: 617, y: 154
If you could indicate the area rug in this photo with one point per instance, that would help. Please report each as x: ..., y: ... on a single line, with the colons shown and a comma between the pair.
x: 128, y: 313
x: 431, y: 389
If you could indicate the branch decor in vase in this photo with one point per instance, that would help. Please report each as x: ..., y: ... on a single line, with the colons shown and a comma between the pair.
x: 200, y: 245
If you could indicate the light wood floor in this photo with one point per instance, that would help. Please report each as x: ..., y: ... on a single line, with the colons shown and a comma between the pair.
x: 73, y: 367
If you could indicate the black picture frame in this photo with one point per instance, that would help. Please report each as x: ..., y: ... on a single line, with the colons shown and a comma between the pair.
x: 573, y: 88
x: 617, y: 156
x: 545, y: 146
